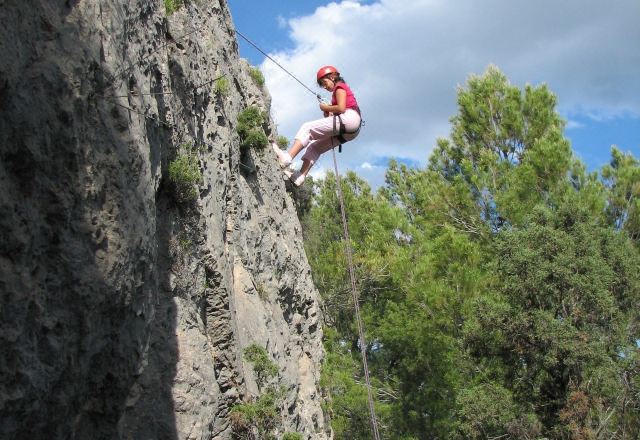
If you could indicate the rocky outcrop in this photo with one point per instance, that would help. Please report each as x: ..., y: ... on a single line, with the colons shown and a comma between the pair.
x: 124, y: 313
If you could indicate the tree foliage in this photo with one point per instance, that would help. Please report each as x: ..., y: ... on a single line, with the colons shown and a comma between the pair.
x: 499, y: 285
x: 622, y: 177
x: 556, y: 330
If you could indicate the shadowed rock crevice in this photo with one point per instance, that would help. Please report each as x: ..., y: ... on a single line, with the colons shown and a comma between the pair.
x: 150, y: 398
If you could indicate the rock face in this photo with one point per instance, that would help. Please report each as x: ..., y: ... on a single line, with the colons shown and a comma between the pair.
x: 124, y: 313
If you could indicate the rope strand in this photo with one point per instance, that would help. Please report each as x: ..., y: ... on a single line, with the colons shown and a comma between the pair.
x: 317, y: 95
x: 354, y: 293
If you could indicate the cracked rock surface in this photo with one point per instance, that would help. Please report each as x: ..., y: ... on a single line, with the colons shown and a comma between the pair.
x: 124, y: 313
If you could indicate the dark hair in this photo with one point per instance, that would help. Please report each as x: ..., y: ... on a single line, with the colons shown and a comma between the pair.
x: 337, y: 78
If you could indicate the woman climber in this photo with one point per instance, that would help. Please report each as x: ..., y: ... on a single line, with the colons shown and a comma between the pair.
x: 341, y: 123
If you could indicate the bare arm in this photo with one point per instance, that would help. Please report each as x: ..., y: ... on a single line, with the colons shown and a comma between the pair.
x: 340, y: 107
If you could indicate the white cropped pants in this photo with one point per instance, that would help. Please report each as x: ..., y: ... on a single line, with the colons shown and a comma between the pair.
x: 319, y: 136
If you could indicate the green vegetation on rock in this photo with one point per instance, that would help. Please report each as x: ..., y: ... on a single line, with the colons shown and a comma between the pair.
x: 250, y: 128
x: 185, y: 175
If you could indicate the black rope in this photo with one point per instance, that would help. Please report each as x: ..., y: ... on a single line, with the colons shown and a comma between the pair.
x: 135, y: 93
x: 159, y: 121
x: 173, y: 126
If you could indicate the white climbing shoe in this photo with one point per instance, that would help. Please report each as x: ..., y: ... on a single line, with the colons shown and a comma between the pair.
x: 284, y: 158
x: 297, y: 178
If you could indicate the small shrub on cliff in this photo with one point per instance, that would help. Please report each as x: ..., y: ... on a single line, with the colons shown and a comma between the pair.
x: 255, y: 139
x: 250, y: 128
x: 263, y: 367
x: 260, y: 417
x: 250, y: 117
x: 282, y: 142
x: 292, y: 436
x: 172, y: 6
x: 257, y: 76
x: 262, y: 292
x: 221, y: 86
x: 185, y: 175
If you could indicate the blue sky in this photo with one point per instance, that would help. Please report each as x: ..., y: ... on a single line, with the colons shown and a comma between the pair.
x: 265, y: 22
x: 405, y: 59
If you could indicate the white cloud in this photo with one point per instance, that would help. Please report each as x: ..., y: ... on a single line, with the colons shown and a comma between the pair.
x: 318, y: 172
x: 574, y: 125
x: 405, y: 58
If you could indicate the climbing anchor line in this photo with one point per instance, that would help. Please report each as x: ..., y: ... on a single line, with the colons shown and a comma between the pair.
x: 168, y: 124
x: 136, y: 93
x: 121, y: 71
x: 317, y: 95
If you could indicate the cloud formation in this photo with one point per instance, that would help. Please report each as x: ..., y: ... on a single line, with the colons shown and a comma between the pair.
x: 405, y: 58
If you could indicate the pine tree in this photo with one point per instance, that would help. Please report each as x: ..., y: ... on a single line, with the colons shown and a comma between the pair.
x: 499, y: 285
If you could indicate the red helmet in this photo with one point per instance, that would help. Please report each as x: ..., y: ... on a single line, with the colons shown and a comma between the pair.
x: 324, y: 71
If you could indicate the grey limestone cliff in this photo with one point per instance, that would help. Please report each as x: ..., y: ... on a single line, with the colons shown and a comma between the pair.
x: 124, y: 313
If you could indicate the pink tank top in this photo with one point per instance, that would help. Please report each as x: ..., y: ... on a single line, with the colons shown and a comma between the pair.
x: 351, y: 99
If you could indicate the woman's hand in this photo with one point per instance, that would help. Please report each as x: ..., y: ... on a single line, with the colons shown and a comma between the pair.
x: 325, y: 108
x: 339, y: 107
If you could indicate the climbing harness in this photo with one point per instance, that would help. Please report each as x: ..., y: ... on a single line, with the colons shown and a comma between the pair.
x: 340, y: 130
